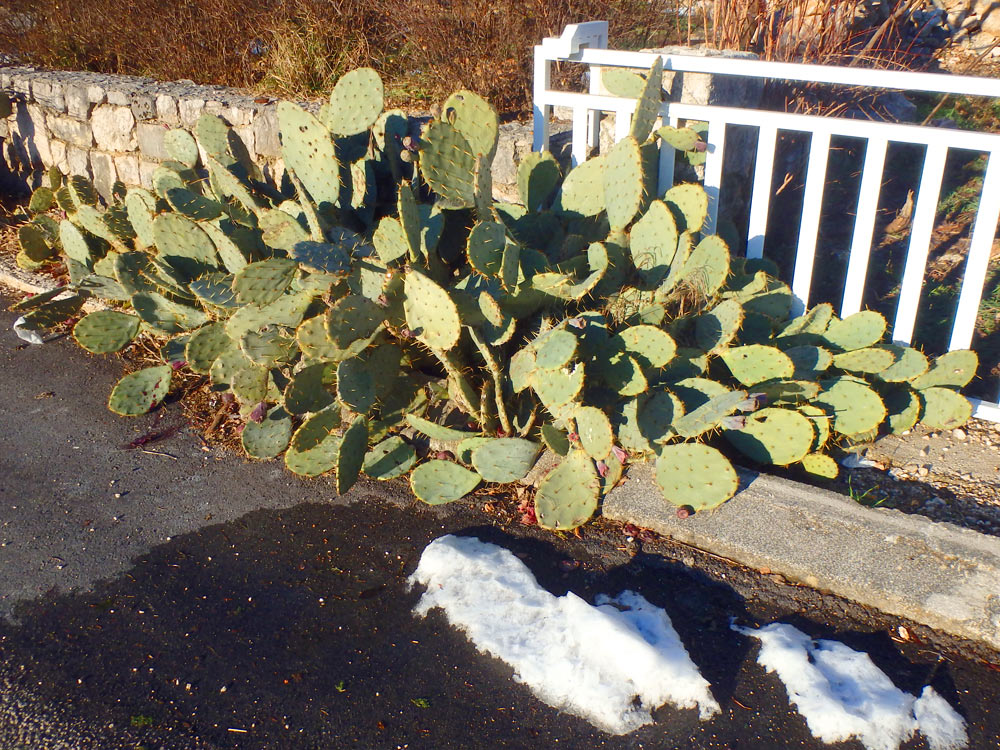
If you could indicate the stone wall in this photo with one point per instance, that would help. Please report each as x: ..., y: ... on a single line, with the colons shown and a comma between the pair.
x: 111, y: 128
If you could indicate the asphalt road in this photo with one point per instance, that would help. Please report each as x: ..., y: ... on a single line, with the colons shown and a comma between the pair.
x: 196, y: 600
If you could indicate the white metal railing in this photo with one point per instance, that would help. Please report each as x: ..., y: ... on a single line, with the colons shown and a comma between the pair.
x: 586, y: 43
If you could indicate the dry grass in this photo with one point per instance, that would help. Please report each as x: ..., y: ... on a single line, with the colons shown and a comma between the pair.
x: 423, y: 49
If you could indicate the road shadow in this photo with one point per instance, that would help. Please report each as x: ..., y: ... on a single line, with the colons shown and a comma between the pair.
x: 294, y: 629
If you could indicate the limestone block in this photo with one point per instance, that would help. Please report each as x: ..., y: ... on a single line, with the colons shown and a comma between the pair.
x: 146, y: 169
x: 120, y: 97
x: 127, y: 167
x: 103, y: 167
x: 166, y: 110
x: 58, y: 149
x: 190, y: 111
x: 246, y: 134
x: 143, y: 107
x: 21, y: 83
x: 77, y: 161
x: 113, y: 128
x: 36, y: 136
x: 150, y: 136
x: 265, y: 131
x: 72, y: 131
x: 96, y: 94
x: 78, y: 102
x: 49, y: 93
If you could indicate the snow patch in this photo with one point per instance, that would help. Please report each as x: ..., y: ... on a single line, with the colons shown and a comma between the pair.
x: 612, y: 663
x: 843, y: 695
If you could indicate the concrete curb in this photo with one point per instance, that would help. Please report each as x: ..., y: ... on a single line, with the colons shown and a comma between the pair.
x: 933, y: 573
x: 937, y: 574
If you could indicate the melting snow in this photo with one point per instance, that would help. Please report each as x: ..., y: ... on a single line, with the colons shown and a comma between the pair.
x: 611, y: 664
x: 842, y: 694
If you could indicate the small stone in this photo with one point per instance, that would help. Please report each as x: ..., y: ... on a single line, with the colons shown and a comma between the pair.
x: 925, y: 451
x: 959, y: 434
x: 923, y: 471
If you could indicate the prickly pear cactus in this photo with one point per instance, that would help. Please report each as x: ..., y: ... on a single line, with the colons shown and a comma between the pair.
x: 377, y: 312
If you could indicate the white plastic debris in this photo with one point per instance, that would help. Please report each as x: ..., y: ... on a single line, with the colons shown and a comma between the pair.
x: 842, y: 694
x: 611, y: 664
x: 27, y: 334
x: 857, y: 461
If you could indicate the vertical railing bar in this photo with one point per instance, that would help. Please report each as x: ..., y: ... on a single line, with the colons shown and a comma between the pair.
x: 579, y: 148
x: 594, y: 117
x: 812, y: 204
x: 716, y: 139
x: 623, y: 124
x: 864, y: 225
x: 760, y: 199
x: 983, y: 232
x: 924, y: 212
x: 541, y: 112
x: 665, y: 173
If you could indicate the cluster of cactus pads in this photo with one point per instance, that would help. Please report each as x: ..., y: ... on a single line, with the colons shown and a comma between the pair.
x: 379, y: 312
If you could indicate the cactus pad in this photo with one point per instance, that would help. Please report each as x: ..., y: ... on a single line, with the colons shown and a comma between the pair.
x: 858, y: 331
x: 391, y: 458
x: 105, y: 331
x: 475, y: 119
x: 140, y: 391
x: 505, y: 459
x: 184, y: 245
x: 430, y: 312
x: 537, y: 177
x: 206, y: 345
x: 308, y: 150
x: 623, y: 185
x: 355, y: 385
x: 755, y: 363
x: 689, y: 203
x: 653, y: 243
x: 486, y: 246
x: 716, y: 329
x: 944, y: 409
x: 709, y: 415
x: 323, y: 257
x: 596, y: 434
x: 650, y: 345
x: 820, y: 465
x: 448, y: 164
x: 436, y: 431
x: 954, y: 369
x: 910, y: 364
x: 855, y: 407
x: 707, y: 267
x: 647, y: 108
x: 774, y: 436
x: 555, y: 439
x: 582, y: 191
x: 809, y: 361
x: 872, y: 359
x: 695, y: 475
x: 263, y: 282
x: 351, y: 456
x: 556, y: 350
x: 269, y: 437
x: 437, y: 482
x: 567, y: 496
x: 307, y: 391
x: 355, y: 102
x: 315, y: 461
x: 903, y: 405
